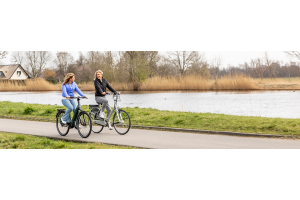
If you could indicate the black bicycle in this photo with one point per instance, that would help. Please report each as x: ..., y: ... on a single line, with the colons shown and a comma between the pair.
x: 83, y: 121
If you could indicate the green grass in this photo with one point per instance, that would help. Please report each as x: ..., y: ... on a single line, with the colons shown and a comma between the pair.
x: 154, y: 117
x: 18, y: 141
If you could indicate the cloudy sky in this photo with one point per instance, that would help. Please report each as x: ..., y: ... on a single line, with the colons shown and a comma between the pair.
x: 228, y: 57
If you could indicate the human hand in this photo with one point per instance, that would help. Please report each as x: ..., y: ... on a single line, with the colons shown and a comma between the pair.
x: 103, y: 93
x: 68, y: 97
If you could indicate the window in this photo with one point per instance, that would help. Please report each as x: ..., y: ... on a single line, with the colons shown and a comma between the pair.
x: 19, y: 73
x: 2, y: 74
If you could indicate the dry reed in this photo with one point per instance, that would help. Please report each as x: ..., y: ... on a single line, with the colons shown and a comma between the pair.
x: 175, y: 83
x: 38, y: 84
x: 236, y: 82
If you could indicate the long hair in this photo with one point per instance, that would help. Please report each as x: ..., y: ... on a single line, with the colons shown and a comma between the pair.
x: 99, y: 71
x: 68, y: 77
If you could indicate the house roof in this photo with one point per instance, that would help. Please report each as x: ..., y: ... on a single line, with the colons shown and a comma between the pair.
x: 10, y: 69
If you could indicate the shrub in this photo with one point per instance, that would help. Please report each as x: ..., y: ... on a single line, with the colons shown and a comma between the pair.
x: 28, y: 110
x: 48, y: 111
x: 10, y: 111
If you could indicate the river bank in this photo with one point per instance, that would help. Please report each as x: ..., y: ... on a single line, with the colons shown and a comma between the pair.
x: 237, y: 82
x: 172, y: 119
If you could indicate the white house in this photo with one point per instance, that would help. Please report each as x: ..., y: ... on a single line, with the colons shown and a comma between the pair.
x: 13, y: 72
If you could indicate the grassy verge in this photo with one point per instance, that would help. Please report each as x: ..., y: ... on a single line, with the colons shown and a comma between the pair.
x: 154, y: 117
x: 19, y: 141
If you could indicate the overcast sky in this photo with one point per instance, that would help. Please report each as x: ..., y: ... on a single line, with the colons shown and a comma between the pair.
x: 228, y: 57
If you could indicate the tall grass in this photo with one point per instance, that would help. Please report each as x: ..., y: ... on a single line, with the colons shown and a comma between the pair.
x: 176, y: 83
x: 237, y: 82
x: 38, y: 84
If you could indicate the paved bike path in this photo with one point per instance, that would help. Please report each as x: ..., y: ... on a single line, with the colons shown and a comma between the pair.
x: 151, y: 138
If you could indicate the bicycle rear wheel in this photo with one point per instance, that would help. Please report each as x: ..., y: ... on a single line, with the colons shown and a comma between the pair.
x: 122, y: 123
x: 63, y: 129
x: 96, y: 128
x: 84, y: 124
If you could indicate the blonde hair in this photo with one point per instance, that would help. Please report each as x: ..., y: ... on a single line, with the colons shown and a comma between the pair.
x: 68, y: 77
x: 99, y: 71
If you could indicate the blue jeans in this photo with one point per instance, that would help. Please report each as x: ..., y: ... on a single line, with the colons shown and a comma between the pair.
x: 71, y: 105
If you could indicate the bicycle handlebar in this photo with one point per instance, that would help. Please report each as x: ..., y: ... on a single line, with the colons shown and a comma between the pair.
x: 78, y: 98
x: 109, y: 93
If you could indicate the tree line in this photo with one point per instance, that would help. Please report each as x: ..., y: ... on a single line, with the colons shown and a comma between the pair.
x: 136, y: 66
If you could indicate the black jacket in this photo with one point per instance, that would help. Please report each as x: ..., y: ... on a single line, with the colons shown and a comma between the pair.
x: 100, y: 87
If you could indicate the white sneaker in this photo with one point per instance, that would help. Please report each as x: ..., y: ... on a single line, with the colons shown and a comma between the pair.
x: 109, y: 126
x: 62, y: 121
x: 102, y: 115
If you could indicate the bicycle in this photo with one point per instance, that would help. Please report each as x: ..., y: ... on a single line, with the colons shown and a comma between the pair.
x: 82, y: 118
x: 121, y: 119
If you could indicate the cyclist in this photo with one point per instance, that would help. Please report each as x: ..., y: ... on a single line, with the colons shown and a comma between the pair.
x: 68, y: 88
x: 100, y: 91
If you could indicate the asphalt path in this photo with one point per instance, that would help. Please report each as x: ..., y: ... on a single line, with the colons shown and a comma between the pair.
x: 151, y: 138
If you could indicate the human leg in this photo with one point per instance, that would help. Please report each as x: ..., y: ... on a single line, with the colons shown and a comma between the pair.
x: 107, y: 107
x: 104, y: 102
x: 74, y: 104
x: 68, y: 104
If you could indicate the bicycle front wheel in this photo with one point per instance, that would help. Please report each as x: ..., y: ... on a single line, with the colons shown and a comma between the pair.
x: 63, y: 129
x: 84, y: 124
x: 121, y: 122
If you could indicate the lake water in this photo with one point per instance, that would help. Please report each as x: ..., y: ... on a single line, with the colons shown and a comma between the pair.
x: 283, y: 104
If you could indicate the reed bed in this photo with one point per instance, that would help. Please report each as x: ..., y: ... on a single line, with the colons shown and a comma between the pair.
x: 38, y: 84
x: 279, y: 83
x: 175, y: 83
x: 235, y: 82
x: 280, y: 80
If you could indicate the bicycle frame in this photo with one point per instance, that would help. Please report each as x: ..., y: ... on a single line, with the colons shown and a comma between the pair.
x: 103, y: 122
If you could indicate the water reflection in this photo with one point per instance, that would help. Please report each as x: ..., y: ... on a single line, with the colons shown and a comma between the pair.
x: 284, y: 104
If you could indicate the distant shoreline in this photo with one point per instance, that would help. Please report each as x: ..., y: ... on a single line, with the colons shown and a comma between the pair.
x: 189, y: 83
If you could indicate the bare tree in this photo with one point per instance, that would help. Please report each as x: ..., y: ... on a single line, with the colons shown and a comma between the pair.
x: 268, y: 64
x: 276, y: 68
x: 295, y: 54
x: 215, y: 64
x: 199, y: 66
x: 36, y: 62
x: 18, y: 57
x: 3, y: 54
x: 136, y: 64
x: 259, y: 67
x: 182, y: 60
x: 62, y: 61
x: 165, y: 68
x: 288, y: 69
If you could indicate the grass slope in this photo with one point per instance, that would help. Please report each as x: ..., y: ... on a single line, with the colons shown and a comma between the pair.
x: 154, y: 117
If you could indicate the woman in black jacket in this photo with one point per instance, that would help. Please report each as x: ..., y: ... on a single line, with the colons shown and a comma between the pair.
x: 100, y: 91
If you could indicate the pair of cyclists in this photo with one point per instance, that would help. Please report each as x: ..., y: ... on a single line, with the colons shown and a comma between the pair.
x: 69, y: 86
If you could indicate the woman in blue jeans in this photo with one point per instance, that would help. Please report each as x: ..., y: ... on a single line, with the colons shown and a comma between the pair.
x: 68, y: 88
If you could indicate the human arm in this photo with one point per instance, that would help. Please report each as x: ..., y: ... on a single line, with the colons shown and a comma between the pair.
x: 79, y: 91
x: 111, y: 88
